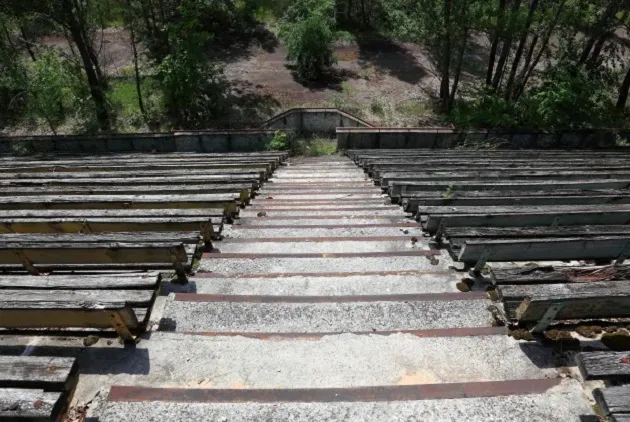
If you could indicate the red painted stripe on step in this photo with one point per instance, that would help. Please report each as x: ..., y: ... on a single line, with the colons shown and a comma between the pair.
x: 328, y: 395
x: 381, y: 208
x: 443, y: 332
x: 327, y: 275
x: 418, y: 297
x: 214, y: 255
x: 324, y: 226
x: 262, y: 198
x: 321, y: 217
x: 318, y: 239
x: 298, y: 191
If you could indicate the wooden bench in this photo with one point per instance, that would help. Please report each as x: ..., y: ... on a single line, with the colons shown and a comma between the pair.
x: 36, y: 388
x: 38, y: 257
x: 476, y: 252
x: 614, y: 402
x: 118, y: 301
x: 124, y: 167
x: 227, y: 202
x: 208, y: 223
x: 535, y: 274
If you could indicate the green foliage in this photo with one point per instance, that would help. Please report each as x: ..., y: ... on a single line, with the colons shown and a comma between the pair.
x: 483, y: 107
x: 12, y: 78
x: 279, y: 142
x: 321, y: 148
x: 307, y: 30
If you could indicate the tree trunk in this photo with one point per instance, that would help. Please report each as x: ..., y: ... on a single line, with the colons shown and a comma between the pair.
x: 495, y: 41
x: 623, y: 92
x: 599, y: 28
x: 528, y: 61
x: 519, y: 50
x: 446, y: 56
x: 96, y: 90
x: 27, y: 44
x: 458, y: 71
x: 543, y: 47
x: 507, y: 46
x: 132, y: 34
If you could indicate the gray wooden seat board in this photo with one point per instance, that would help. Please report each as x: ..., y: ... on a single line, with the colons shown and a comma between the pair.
x: 212, y: 181
x: 243, y: 190
x: 34, y: 388
x: 188, y: 237
x: 377, y: 170
x: 457, y: 236
x: 614, y: 402
x: 551, y: 198
x: 227, y: 202
x: 120, y: 281
x: 403, y: 189
x: 280, y: 156
x: 124, y: 167
x: 488, y: 177
x: 434, y: 223
x: 534, y: 274
x: 609, y: 366
x: 586, y: 300
x: 478, y: 252
x: 260, y: 175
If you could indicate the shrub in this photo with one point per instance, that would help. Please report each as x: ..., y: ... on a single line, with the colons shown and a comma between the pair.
x: 309, y: 37
x: 279, y: 142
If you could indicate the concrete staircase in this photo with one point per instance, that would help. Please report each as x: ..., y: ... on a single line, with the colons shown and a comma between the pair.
x: 323, y: 303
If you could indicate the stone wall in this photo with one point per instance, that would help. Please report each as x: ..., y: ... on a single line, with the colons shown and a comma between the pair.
x: 392, y: 138
x: 314, y: 120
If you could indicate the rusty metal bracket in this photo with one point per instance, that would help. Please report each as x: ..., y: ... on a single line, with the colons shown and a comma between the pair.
x: 180, y: 270
x: 548, y: 317
x: 207, y: 233
x: 120, y: 326
x: 85, y: 228
x: 481, y: 261
x: 26, y: 262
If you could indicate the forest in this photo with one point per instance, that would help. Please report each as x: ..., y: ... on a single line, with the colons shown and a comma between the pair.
x: 99, y: 66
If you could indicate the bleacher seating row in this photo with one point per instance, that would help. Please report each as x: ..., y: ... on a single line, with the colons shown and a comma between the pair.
x: 554, y: 225
x: 82, y: 241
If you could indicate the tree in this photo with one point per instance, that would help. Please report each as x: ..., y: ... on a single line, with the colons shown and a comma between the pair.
x: 307, y: 30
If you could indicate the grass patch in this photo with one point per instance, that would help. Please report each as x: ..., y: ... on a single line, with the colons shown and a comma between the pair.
x: 314, y: 147
x: 123, y: 98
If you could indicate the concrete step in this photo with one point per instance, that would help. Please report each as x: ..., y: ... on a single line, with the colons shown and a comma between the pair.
x: 540, y: 401
x: 300, y: 208
x: 321, y: 245
x: 322, y: 285
x: 260, y: 265
x: 321, y: 196
x: 326, y: 314
x: 343, y: 229
x: 308, y: 220
x: 271, y: 213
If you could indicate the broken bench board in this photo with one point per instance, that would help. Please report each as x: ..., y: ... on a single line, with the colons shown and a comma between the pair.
x: 32, y: 405
x: 548, y: 249
x: 613, y: 401
x: 608, y: 366
x: 533, y: 219
x: 548, y: 274
x: 598, y: 299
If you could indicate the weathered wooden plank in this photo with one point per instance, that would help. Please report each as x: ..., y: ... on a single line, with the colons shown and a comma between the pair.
x: 404, y: 189
x: 203, y: 225
x: 610, y: 366
x: 16, y: 253
x: 551, y: 199
x: 227, y: 202
x: 559, y: 218
x: 600, y: 299
x: 22, y: 299
x: 188, y: 237
x: 210, y: 181
x: 42, y: 167
x: 42, y: 373
x: 535, y: 232
x: 82, y: 282
x: 144, y: 156
x: 187, y: 189
x: 613, y: 400
x: 550, y: 274
x: 550, y: 249
x: 18, y: 404
x: 114, y: 213
x: 261, y: 175
x: 447, y: 209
